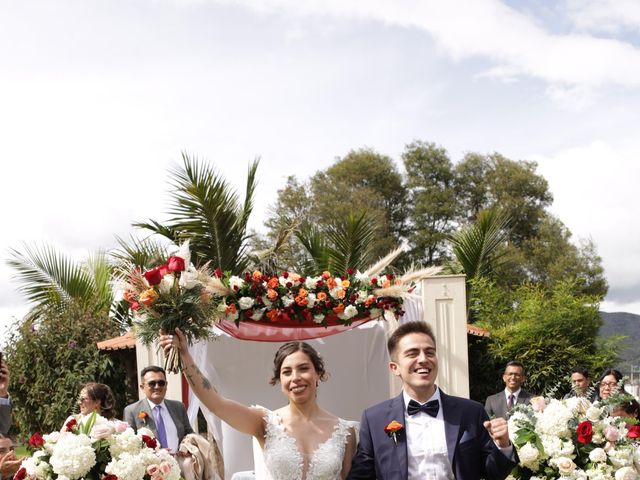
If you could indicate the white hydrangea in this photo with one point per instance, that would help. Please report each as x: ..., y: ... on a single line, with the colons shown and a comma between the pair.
x: 73, y: 456
x: 245, y: 303
x: 126, y: 441
x: 621, y: 456
x: 36, y: 467
x: 598, y: 455
x: 127, y: 466
x: 554, y: 420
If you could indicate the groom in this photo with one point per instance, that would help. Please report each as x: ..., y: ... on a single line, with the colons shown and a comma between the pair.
x: 435, y: 436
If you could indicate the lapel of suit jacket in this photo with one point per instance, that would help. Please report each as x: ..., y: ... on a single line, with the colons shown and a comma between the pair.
x: 150, y: 422
x: 451, y: 417
x: 396, y: 412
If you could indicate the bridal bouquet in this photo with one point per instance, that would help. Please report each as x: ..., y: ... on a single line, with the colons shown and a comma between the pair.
x: 97, y: 449
x: 169, y: 296
x: 573, y: 439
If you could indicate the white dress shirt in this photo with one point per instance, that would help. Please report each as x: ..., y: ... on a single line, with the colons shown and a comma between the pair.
x: 427, y: 456
x: 515, y: 394
x: 169, y: 425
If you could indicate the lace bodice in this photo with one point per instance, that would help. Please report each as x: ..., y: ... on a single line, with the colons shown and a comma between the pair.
x: 284, y: 461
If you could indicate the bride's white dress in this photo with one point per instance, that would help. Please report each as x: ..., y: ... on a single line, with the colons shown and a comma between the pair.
x: 284, y: 461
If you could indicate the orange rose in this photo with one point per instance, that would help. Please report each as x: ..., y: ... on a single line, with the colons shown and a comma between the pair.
x: 386, y: 283
x: 273, y: 314
x: 340, y: 294
x: 302, y: 292
x: 273, y: 282
x: 326, y: 275
x: 148, y: 297
x: 230, y: 308
x: 345, y: 283
x: 294, y: 276
x: 371, y: 299
x: 331, y: 283
x: 272, y: 294
x: 302, y: 301
x: 393, y: 427
x: 257, y: 275
x: 338, y: 309
x: 321, y: 296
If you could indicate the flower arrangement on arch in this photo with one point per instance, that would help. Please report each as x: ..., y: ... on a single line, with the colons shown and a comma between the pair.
x: 325, y: 299
x: 98, y: 449
x: 572, y: 439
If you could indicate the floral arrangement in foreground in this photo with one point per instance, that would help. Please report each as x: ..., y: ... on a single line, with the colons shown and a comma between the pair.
x: 573, y: 439
x: 98, y: 449
x: 177, y: 295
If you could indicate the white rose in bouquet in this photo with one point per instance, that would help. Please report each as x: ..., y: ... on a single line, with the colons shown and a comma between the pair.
x: 245, y: 303
x: 529, y: 456
x: 593, y: 413
x: 565, y: 465
x: 598, y: 455
x: 626, y: 473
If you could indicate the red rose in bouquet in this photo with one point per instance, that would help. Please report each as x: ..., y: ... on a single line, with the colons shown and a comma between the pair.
x: 585, y: 432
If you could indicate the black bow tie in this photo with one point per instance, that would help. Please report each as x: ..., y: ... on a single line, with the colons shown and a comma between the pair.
x: 430, y: 408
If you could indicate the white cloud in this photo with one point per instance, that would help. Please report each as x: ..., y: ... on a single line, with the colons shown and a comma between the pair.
x: 595, y: 194
x: 486, y: 29
x: 609, y: 16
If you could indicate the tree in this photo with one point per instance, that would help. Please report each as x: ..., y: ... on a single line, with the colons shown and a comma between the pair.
x: 51, y: 357
x: 363, y: 182
x: 432, y: 206
x: 548, y: 329
x: 205, y: 209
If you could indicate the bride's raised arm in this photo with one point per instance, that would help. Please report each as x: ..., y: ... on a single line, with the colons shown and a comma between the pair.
x: 242, y: 418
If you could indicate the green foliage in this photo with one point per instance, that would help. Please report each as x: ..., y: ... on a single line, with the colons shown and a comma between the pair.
x: 550, y: 330
x: 51, y: 358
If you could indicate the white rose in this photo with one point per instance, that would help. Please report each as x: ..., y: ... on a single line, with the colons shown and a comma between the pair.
x: 245, y: 303
x: 287, y: 300
x: 565, y: 465
x: 626, y: 473
x: 528, y: 453
x: 311, y: 298
x: 184, y: 253
x: 593, y: 413
x: 236, y: 281
x: 348, y: 313
x: 598, y: 455
x: 310, y: 282
x: 165, y: 284
x: 375, y: 313
x: 318, y: 318
x: 100, y: 432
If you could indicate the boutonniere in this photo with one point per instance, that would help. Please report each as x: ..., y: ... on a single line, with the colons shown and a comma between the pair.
x: 393, y: 429
x: 143, y: 417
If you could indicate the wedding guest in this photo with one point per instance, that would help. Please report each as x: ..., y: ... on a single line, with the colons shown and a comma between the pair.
x: 167, y: 419
x: 629, y: 408
x: 501, y: 403
x: 9, y: 463
x: 5, y: 401
x: 423, y: 432
x: 300, y: 440
x: 580, y: 384
x: 94, y: 397
x: 610, y: 383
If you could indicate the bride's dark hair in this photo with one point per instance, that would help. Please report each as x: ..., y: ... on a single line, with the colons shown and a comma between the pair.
x: 292, y: 347
x: 99, y: 392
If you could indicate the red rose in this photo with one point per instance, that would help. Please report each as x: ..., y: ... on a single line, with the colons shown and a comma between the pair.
x: 218, y: 272
x: 149, y: 441
x: 634, y: 431
x: 175, y: 264
x: 154, y: 276
x: 585, y: 432
x: 20, y: 474
x: 110, y: 476
x: 36, y: 440
x: 70, y: 424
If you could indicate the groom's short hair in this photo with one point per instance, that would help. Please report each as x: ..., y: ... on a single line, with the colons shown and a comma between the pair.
x: 407, y: 329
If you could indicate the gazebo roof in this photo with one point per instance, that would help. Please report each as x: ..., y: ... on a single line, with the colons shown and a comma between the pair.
x: 124, y: 342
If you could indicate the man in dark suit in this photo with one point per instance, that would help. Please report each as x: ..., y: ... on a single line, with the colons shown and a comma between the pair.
x: 500, y: 404
x: 5, y: 401
x: 425, y: 433
x: 581, y: 384
x: 167, y: 419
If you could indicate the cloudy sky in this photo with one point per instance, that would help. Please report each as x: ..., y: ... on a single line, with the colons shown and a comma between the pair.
x: 98, y: 98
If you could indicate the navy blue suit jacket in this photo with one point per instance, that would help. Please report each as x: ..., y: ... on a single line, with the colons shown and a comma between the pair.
x: 472, y: 452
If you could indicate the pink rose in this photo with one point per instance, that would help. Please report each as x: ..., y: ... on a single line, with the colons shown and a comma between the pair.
x: 165, y: 468
x: 120, y: 426
x: 152, y: 470
x: 538, y: 403
x: 611, y: 433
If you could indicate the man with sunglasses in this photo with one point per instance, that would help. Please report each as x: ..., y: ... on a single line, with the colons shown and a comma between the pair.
x: 167, y: 419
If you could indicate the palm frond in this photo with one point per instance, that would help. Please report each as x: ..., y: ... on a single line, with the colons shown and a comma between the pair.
x: 50, y: 279
x: 477, y: 246
x: 351, y: 243
x: 315, y: 244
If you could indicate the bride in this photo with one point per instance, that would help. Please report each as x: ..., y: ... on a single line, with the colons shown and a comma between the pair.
x: 300, y: 441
